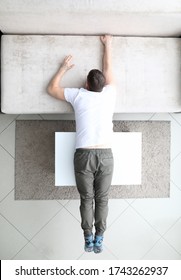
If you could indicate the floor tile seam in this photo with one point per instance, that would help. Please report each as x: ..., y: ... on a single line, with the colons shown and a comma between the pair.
x: 152, y: 247
x: 161, y: 234
x: 39, y: 250
x: 119, y: 216
x: 175, y: 185
x: 162, y: 119
x: 14, y: 227
x: 83, y: 253
x: 71, y: 214
x: 19, y: 200
x: 7, y: 151
x: 171, y: 246
x: 63, y: 204
x: 179, y: 219
x: 1, y: 201
x: 31, y: 240
x: 175, y: 157
x: 36, y: 232
x: 9, y: 124
x: 25, y: 246
x: 20, y: 250
x: 46, y: 222
x: 129, y: 203
x: 110, y: 251
x: 151, y: 117
x: 156, y: 231
x: 175, y: 119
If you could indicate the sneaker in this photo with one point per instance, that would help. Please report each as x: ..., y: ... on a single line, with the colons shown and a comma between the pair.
x: 89, y: 243
x: 98, y: 244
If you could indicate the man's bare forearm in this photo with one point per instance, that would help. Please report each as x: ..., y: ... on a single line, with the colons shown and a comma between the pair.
x: 107, y: 59
x: 55, y: 81
x: 54, y: 88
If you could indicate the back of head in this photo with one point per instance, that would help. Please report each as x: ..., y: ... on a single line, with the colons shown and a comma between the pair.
x: 96, y: 80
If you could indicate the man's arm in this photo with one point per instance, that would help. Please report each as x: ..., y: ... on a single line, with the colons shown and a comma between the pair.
x: 107, y: 59
x: 54, y: 88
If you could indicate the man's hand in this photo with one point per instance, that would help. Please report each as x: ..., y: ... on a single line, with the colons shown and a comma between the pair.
x: 66, y: 65
x: 106, y: 40
x: 54, y: 88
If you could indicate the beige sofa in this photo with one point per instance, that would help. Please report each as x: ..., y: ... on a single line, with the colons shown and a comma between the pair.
x: 146, y: 51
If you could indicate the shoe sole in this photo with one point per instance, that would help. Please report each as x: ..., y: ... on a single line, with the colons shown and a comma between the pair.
x: 98, y: 250
x: 88, y: 250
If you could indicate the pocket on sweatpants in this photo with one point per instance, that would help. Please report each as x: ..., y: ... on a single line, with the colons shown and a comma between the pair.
x: 107, y: 165
x: 80, y: 161
x: 108, y: 161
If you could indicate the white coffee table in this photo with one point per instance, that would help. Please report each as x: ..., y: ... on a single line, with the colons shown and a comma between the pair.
x: 127, y: 151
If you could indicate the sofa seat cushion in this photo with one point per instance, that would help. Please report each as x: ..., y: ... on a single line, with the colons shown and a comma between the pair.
x: 147, y: 72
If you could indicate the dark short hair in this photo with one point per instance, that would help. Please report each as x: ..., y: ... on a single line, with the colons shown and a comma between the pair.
x: 95, y: 80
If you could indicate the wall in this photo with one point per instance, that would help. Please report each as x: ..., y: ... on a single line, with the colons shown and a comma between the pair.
x: 125, y: 17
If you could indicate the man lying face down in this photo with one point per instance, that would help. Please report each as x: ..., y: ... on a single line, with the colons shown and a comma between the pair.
x: 93, y: 158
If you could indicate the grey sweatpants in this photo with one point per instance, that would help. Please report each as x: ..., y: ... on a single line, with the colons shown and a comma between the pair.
x: 93, y: 173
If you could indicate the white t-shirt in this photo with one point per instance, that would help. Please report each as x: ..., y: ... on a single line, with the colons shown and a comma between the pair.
x: 93, y: 115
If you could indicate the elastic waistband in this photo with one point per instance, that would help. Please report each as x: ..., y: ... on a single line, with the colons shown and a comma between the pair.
x: 94, y: 150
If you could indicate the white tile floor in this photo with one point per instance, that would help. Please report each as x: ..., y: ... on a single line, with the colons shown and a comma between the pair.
x: 137, y: 228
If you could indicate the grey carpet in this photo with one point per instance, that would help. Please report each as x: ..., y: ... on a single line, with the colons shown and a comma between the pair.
x: 35, y: 167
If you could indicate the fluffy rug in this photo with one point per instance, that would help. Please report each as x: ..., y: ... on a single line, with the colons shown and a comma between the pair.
x: 35, y: 160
